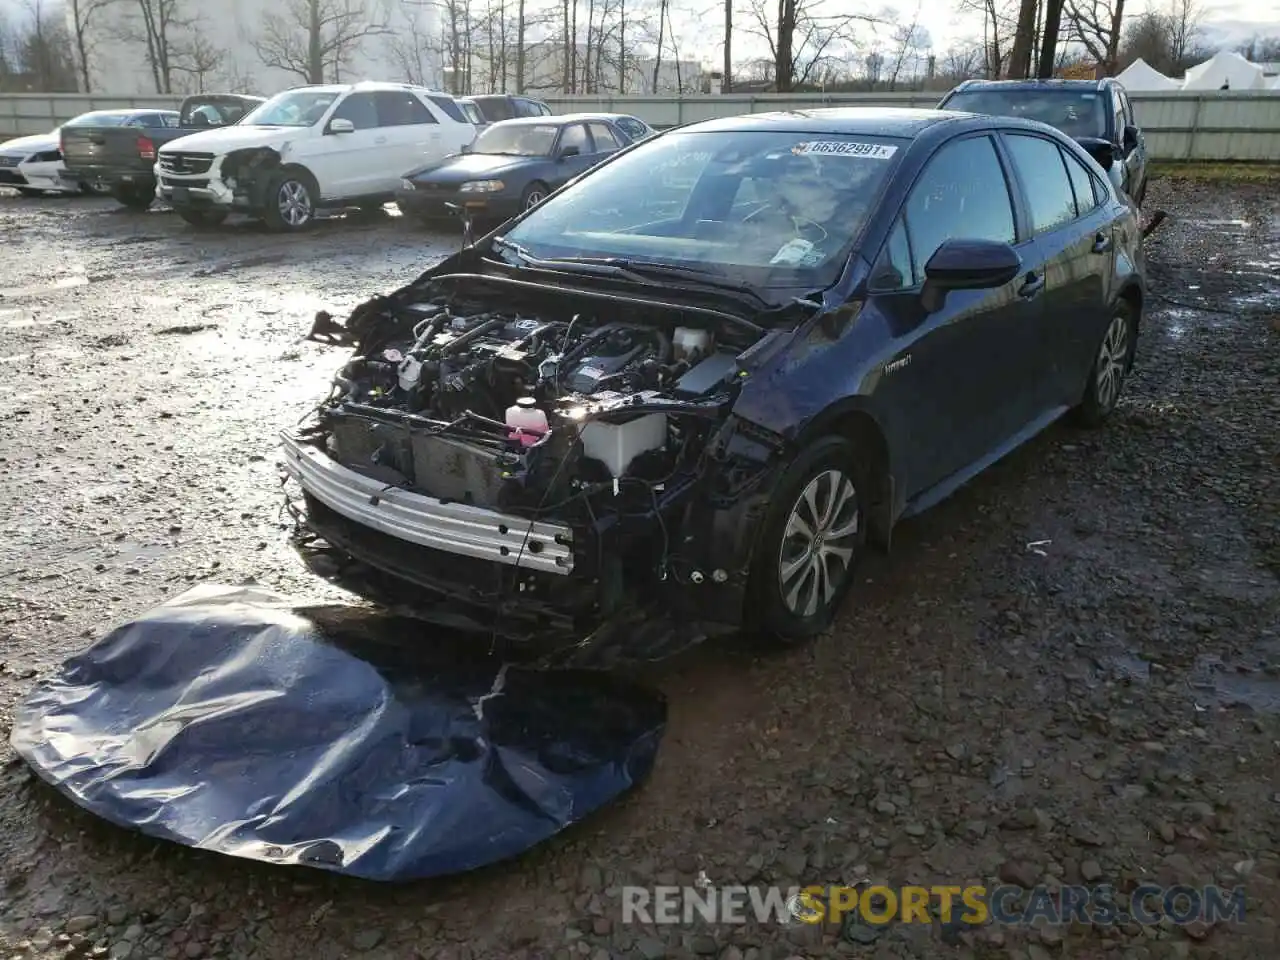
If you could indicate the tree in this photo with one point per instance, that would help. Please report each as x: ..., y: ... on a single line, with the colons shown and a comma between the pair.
x: 911, y: 41
x: 314, y: 39
x: 1049, y: 39
x: 1096, y: 25
x: 83, y: 14
x: 412, y: 48
x: 1024, y: 38
x: 1167, y: 40
x: 197, y: 58
x: 44, y: 50
x: 162, y: 25
x: 803, y: 37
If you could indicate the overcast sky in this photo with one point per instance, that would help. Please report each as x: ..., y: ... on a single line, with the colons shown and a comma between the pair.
x: 700, y: 35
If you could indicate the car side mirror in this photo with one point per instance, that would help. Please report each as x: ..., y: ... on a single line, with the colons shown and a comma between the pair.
x: 341, y: 125
x: 1103, y: 151
x: 566, y: 152
x: 1130, y: 139
x: 961, y: 264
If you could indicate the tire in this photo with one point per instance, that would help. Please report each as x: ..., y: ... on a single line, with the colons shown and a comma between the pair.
x: 795, y: 594
x: 30, y: 192
x: 1111, y: 364
x: 533, y: 195
x: 202, y: 218
x: 133, y: 197
x: 291, y: 202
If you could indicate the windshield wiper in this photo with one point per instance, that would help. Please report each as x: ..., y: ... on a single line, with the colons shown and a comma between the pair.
x: 637, y: 271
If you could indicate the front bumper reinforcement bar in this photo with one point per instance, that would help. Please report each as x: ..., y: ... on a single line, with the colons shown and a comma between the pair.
x: 449, y: 527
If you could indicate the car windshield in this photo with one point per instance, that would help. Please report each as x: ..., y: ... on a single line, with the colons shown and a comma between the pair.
x: 298, y: 108
x: 1077, y: 113
x: 763, y: 208
x: 520, y: 139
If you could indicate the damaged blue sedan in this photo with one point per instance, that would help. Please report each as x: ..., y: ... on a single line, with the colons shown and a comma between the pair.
x: 693, y: 387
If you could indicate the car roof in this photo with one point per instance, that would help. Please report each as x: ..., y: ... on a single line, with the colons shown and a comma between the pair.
x: 1031, y: 84
x: 127, y: 111
x: 868, y: 121
x: 503, y: 96
x: 557, y: 119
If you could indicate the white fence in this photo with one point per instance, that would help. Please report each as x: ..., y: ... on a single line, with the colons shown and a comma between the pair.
x: 1226, y: 125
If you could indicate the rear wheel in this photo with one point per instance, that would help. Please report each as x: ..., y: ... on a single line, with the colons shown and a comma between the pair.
x: 202, y: 218
x: 291, y: 202
x: 813, y: 536
x: 133, y: 196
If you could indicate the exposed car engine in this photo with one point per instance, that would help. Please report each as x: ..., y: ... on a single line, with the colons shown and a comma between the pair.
x: 520, y: 412
x: 554, y: 447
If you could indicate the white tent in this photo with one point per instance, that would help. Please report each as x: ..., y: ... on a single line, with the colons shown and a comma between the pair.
x: 1140, y: 76
x: 1225, y: 70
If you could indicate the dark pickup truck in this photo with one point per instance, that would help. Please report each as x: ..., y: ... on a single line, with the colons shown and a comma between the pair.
x: 121, y: 154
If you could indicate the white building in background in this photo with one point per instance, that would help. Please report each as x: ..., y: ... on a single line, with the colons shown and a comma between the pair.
x: 220, y: 49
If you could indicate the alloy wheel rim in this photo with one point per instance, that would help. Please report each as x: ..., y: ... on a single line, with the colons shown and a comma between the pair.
x: 295, y: 203
x: 535, y: 198
x: 818, y: 543
x: 1111, y: 360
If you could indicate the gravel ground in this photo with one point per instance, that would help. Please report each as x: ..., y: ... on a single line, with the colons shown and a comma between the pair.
x: 1069, y: 671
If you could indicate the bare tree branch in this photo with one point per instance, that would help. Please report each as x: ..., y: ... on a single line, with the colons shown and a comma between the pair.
x: 314, y: 39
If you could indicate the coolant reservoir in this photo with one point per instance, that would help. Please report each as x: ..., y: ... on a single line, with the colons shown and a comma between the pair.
x: 690, y: 340
x: 526, y: 422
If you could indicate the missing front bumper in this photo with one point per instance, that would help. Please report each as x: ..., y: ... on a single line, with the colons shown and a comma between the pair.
x: 426, y: 521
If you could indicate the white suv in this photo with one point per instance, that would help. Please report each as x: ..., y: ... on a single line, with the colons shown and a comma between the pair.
x: 310, y: 147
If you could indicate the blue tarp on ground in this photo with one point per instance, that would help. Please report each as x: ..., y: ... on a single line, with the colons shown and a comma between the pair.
x: 233, y: 721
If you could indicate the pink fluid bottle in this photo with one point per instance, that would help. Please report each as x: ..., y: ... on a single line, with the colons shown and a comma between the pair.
x: 526, y: 422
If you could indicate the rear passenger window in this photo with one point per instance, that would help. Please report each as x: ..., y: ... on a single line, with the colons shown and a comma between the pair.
x: 401, y: 109
x: 451, y: 108
x: 606, y: 142
x: 962, y: 193
x: 1041, y: 167
x: 1082, y: 183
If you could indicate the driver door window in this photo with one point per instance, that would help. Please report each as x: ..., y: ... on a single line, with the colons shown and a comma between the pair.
x: 360, y: 108
x: 962, y: 193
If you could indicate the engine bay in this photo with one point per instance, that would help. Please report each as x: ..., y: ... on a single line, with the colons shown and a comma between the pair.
x: 536, y: 412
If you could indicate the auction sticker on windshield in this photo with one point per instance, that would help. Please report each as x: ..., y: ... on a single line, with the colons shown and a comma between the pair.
x: 844, y: 148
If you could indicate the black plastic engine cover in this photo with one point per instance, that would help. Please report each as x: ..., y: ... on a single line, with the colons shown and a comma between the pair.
x: 587, y: 374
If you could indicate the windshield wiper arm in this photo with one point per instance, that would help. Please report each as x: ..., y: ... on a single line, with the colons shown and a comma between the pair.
x: 636, y: 271
x: 648, y: 269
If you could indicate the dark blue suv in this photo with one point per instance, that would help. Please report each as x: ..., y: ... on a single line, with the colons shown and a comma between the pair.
x: 1096, y: 113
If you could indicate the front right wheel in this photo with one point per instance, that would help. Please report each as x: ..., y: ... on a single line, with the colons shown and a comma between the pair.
x: 813, y: 536
x: 1111, y: 365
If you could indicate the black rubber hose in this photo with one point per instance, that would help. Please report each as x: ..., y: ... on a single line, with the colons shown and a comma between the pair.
x: 472, y: 334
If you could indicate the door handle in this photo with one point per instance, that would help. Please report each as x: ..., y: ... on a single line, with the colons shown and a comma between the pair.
x: 1101, y: 242
x: 1033, y: 284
